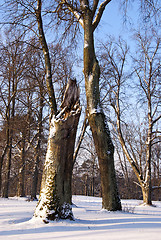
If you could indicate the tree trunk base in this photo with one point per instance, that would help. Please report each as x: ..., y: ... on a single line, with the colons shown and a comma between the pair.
x: 105, y: 151
x: 146, y: 196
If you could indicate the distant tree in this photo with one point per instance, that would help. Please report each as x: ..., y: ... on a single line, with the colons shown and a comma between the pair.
x: 86, y: 171
x: 12, y: 68
x: 89, y: 167
x: 150, y: 9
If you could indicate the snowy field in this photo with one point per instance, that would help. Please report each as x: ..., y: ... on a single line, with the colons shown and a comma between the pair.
x: 137, y: 223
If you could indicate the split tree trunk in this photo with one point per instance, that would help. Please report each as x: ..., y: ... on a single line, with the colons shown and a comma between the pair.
x: 97, y: 120
x: 56, y: 195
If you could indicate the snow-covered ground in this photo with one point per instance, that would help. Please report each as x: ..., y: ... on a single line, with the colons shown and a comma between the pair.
x: 137, y: 223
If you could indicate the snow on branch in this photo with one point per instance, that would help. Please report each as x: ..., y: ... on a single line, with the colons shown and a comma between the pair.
x: 99, y: 14
x: 137, y: 184
x: 74, y: 11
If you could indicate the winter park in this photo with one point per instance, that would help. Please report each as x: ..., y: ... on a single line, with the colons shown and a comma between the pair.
x: 80, y: 119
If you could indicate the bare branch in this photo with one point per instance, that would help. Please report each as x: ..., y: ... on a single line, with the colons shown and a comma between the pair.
x: 83, y: 130
x: 95, y: 5
x: 137, y: 184
x: 156, y: 187
x: 159, y: 141
x: 99, y: 14
x: 75, y: 12
x: 155, y: 120
x: 47, y: 59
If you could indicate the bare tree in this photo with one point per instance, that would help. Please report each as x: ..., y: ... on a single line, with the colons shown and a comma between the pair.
x: 12, y: 68
x: 137, y: 148
x: 88, y: 14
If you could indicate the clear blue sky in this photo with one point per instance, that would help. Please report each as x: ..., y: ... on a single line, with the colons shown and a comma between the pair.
x: 113, y: 21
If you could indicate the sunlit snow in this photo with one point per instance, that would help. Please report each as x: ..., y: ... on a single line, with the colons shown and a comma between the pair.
x: 135, y: 222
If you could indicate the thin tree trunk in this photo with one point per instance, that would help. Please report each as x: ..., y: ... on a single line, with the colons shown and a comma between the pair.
x: 35, y: 180
x: 1, y: 165
x: 45, y: 49
x: 8, y: 159
x: 36, y: 171
x: 21, y: 175
x: 37, y: 150
x: 7, y: 177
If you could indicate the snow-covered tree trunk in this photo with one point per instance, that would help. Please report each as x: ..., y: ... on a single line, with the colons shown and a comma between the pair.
x: 55, y: 195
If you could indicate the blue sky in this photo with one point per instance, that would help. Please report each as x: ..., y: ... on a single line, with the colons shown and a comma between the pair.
x: 113, y: 21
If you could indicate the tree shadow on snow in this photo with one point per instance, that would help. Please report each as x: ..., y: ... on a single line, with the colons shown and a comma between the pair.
x: 85, y: 225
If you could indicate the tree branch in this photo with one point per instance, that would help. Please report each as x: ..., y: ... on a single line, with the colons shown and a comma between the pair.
x: 95, y: 5
x: 85, y: 124
x: 154, y: 121
x: 137, y: 184
x: 43, y: 42
x: 99, y: 14
x: 75, y: 12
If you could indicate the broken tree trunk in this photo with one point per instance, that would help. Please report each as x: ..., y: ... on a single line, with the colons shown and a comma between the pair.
x: 56, y: 195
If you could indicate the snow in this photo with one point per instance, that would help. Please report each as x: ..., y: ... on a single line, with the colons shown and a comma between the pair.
x: 138, y: 222
x: 86, y: 45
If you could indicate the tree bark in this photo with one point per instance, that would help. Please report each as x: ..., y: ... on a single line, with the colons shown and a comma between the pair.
x: 146, y: 191
x: 97, y: 121
x: 105, y: 152
x: 55, y: 195
x: 89, y: 20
